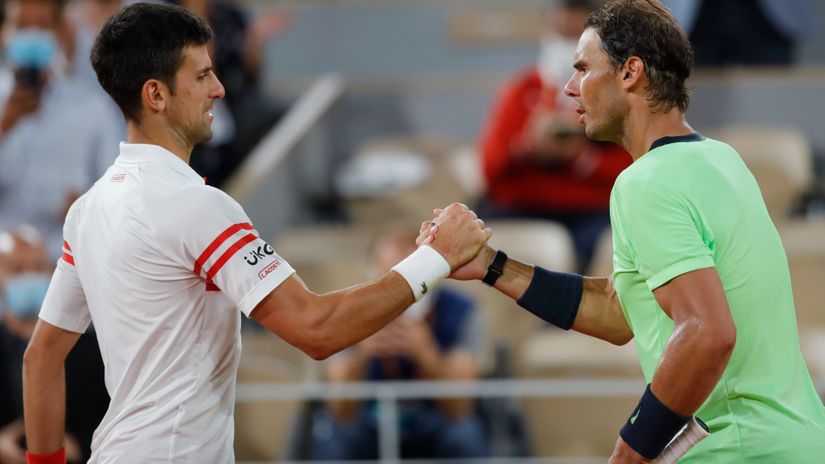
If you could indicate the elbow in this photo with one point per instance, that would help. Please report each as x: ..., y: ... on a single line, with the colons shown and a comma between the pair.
x: 724, y: 341
x: 622, y: 339
x: 317, y: 352
x: 716, y: 341
x: 318, y: 345
x: 32, y: 359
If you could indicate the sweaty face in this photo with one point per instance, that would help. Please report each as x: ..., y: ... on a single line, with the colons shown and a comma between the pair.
x: 596, y: 90
x: 196, y: 89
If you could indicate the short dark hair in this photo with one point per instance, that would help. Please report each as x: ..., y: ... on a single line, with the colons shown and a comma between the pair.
x: 645, y: 28
x: 144, y: 41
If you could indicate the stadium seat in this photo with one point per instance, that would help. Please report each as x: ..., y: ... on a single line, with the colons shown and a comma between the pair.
x: 779, y: 157
x: 263, y: 428
x: 601, y: 265
x: 804, y: 242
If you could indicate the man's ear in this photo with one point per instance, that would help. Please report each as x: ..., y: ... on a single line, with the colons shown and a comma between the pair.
x: 154, y: 95
x: 633, y: 72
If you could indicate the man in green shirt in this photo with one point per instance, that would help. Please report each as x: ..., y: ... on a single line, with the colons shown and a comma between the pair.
x: 700, y: 277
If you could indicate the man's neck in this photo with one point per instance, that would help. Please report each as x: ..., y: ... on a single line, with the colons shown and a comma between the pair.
x: 645, y: 127
x: 147, y: 134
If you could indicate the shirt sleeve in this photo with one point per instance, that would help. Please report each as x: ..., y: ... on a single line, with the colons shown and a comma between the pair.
x: 662, y: 229
x: 65, y: 303
x: 208, y: 232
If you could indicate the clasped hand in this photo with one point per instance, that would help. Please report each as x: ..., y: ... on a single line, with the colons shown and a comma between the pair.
x: 461, y: 237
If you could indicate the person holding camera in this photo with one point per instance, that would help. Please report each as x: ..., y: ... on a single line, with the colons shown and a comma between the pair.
x: 536, y: 160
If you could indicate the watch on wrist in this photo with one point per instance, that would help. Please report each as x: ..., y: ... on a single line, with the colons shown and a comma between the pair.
x: 495, y: 269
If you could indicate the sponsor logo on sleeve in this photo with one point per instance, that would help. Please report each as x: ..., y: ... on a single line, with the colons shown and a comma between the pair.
x: 258, y: 254
x: 269, y: 269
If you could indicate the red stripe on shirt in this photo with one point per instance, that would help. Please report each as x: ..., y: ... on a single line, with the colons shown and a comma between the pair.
x: 228, y: 254
x: 68, y: 258
x: 211, y: 287
x: 66, y: 244
x: 217, y: 243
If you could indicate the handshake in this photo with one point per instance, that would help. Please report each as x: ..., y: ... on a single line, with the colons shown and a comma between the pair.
x: 460, y: 237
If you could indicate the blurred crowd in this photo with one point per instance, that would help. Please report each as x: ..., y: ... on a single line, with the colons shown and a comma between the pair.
x: 59, y: 132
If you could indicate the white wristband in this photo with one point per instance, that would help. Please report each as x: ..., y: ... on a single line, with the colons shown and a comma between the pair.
x: 423, y: 269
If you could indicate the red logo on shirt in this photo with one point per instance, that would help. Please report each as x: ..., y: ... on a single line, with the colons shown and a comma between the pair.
x: 118, y: 177
x: 268, y: 269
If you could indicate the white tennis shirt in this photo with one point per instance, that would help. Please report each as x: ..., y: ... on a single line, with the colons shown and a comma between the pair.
x: 163, y: 265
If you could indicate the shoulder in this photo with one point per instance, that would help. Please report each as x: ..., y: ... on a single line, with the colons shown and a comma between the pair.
x: 75, y: 213
x: 190, y: 205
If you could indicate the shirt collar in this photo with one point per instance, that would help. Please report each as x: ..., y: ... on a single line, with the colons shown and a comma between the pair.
x: 692, y: 137
x: 139, y: 153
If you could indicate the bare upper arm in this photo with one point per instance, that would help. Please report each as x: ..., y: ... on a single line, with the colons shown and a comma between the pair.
x: 50, y: 342
x: 696, y: 294
x: 282, y: 311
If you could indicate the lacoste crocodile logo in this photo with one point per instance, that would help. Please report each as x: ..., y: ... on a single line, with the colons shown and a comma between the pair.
x: 424, y: 288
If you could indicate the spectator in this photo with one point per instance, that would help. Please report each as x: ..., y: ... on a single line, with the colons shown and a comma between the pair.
x: 86, y: 18
x: 245, y: 115
x: 438, y: 338
x: 24, y: 278
x: 56, y: 136
x: 744, y: 32
x: 536, y: 159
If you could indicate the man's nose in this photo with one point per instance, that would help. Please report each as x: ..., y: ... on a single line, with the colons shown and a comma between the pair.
x: 570, y: 89
x: 218, y: 91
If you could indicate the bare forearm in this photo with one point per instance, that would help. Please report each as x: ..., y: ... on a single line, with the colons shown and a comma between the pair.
x: 599, y: 312
x: 693, y: 362
x: 322, y: 325
x: 44, y: 402
x: 351, y: 315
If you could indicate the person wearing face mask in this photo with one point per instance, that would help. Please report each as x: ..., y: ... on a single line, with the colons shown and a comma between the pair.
x: 56, y: 135
x: 536, y: 160
x: 24, y: 278
x: 437, y: 338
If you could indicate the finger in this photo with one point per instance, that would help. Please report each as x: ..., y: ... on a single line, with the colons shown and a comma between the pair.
x: 437, y: 211
x: 425, y: 225
x: 488, y: 232
x: 480, y: 222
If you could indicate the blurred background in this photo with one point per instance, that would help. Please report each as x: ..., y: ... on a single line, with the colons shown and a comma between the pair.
x: 345, y: 123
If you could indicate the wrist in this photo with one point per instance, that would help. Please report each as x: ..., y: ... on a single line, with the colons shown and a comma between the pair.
x: 495, y: 267
x: 423, y: 270
x: 58, y: 457
x: 651, y: 426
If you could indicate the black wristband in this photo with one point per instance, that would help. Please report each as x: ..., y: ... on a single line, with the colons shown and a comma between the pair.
x: 495, y: 269
x: 554, y: 296
x: 652, y: 426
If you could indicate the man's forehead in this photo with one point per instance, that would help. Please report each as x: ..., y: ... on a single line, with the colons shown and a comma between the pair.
x: 196, y: 57
x: 590, y: 46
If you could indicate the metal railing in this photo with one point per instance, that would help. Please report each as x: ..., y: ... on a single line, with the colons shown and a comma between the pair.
x: 388, y: 394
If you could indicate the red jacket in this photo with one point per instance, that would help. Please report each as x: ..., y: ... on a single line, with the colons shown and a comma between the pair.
x: 582, y: 185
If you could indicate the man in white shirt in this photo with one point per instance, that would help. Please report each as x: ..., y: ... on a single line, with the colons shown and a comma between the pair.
x: 164, y: 265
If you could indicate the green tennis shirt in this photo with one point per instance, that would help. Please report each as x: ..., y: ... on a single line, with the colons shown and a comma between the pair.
x: 690, y: 203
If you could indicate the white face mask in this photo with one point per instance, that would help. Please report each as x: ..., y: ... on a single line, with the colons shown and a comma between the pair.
x: 555, y: 64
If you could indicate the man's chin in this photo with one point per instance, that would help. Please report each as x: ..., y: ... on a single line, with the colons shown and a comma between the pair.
x: 596, y: 134
x: 204, y: 137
